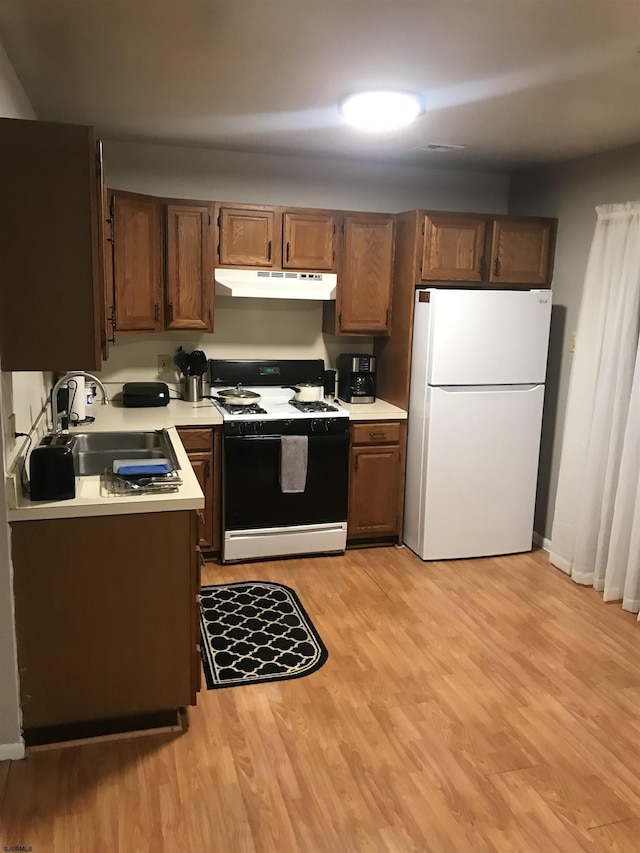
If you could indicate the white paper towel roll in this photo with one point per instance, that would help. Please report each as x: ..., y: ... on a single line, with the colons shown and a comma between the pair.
x: 77, y: 399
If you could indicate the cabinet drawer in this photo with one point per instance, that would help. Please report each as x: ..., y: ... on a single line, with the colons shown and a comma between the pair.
x: 376, y: 433
x: 196, y: 439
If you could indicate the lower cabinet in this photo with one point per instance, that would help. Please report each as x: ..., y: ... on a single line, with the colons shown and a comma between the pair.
x: 376, y: 481
x: 204, y: 448
x: 106, y: 616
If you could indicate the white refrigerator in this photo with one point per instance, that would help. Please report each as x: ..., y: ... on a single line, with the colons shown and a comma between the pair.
x: 478, y: 368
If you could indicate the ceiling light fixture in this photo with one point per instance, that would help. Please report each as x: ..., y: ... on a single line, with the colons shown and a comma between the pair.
x: 377, y: 112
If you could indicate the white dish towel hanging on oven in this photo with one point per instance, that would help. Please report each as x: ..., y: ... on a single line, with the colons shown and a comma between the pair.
x: 294, y: 456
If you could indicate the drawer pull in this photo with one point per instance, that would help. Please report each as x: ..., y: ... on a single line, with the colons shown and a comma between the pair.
x: 377, y: 435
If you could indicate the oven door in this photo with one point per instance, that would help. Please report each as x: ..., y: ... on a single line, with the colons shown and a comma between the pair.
x: 252, y: 495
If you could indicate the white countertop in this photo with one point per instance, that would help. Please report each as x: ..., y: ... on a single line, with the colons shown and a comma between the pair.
x: 178, y: 413
x: 378, y: 411
x: 90, y: 499
x: 115, y: 417
x: 118, y: 418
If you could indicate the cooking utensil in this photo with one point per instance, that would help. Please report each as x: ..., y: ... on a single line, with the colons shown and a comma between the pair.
x: 199, y: 362
x: 181, y: 360
x: 239, y: 396
x: 307, y: 392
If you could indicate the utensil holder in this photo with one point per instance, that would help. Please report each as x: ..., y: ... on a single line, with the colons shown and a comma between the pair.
x: 192, y: 388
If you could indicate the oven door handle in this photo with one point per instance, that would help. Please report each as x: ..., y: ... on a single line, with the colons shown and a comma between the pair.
x: 335, y: 436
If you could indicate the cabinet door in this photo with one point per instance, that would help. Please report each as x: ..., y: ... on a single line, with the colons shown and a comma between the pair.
x: 309, y: 241
x: 51, y: 265
x: 137, y: 262
x: 246, y: 237
x: 374, y: 491
x: 108, y: 302
x: 216, y: 503
x: 189, y: 278
x: 202, y: 464
x: 196, y: 583
x: 453, y: 247
x: 101, y: 617
x: 364, y: 288
x: 520, y: 251
x: 103, y: 247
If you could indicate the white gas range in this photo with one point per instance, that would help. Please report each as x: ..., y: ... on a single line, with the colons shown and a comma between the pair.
x: 276, y: 404
x: 265, y: 446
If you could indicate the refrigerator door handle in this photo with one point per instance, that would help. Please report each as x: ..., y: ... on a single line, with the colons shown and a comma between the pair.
x: 486, y: 389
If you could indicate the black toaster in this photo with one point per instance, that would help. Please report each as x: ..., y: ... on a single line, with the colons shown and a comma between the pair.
x: 51, y: 472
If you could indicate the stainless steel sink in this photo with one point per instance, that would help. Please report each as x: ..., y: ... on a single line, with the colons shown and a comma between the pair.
x: 95, y: 451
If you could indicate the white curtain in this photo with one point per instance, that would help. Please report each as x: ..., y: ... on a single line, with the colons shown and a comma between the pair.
x: 596, y: 526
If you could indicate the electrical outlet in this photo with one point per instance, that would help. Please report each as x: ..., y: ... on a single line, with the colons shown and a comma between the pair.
x: 572, y: 342
x: 164, y: 364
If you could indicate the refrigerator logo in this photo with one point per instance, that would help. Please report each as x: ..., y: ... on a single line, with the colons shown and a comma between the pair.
x: 543, y: 301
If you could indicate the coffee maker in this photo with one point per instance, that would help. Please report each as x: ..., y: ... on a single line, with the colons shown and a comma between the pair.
x: 356, y: 377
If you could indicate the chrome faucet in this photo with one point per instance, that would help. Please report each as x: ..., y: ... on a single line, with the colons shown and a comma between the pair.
x: 55, y: 415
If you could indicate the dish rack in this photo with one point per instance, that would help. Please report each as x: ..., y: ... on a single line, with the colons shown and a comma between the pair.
x: 118, y: 485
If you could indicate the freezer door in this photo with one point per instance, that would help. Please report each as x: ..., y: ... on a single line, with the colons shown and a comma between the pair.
x: 475, y: 492
x: 487, y: 337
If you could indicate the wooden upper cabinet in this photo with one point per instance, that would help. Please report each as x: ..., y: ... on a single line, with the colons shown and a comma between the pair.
x: 189, y: 268
x: 364, y: 284
x: 308, y: 240
x: 137, y: 262
x: 162, y: 263
x: 51, y: 233
x: 520, y: 251
x: 246, y: 236
x: 453, y: 247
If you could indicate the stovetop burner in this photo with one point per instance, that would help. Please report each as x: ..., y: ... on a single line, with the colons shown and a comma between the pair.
x: 315, y: 406
x: 252, y: 409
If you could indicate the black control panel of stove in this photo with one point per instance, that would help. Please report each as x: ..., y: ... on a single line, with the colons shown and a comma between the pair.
x: 251, y: 372
x: 297, y: 426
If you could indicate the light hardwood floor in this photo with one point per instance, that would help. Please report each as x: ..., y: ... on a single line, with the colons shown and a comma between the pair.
x: 477, y: 705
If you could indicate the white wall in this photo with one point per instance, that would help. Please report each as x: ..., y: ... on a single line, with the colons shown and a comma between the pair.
x: 569, y: 191
x: 245, y: 328
x: 298, y: 181
x: 261, y: 328
x: 20, y: 393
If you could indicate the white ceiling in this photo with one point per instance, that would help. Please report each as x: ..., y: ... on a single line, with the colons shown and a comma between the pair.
x: 516, y: 81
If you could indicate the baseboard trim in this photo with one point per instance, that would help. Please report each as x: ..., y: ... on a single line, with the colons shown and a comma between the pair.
x: 11, y: 751
x: 545, y: 544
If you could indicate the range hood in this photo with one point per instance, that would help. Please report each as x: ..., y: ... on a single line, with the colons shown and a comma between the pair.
x: 276, y: 284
